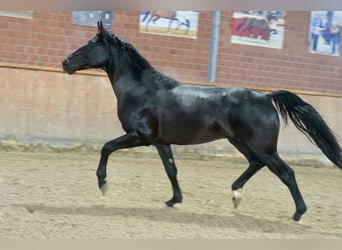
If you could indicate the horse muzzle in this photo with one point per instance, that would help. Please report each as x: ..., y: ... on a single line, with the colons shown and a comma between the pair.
x: 66, y: 67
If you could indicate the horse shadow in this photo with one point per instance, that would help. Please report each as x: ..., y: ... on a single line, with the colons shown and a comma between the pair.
x: 237, y: 221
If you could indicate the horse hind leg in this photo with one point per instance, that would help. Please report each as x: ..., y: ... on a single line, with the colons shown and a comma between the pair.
x: 277, y: 166
x: 254, y: 166
x: 287, y: 176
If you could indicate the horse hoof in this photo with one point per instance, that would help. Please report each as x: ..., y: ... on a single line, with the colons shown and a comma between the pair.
x: 237, y: 197
x: 296, y: 217
x: 173, y: 201
x: 298, y: 214
x: 104, y: 188
x: 169, y: 203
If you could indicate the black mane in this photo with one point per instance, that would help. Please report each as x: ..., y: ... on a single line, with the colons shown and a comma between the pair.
x: 139, y: 64
x: 137, y: 59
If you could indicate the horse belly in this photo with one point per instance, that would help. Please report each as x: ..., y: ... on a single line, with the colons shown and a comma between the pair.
x: 192, y: 130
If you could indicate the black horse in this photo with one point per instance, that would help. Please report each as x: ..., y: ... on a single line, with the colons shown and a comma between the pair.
x: 157, y: 110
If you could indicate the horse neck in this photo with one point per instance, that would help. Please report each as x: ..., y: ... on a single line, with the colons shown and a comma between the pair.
x: 126, y: 83
x: 130, y: 77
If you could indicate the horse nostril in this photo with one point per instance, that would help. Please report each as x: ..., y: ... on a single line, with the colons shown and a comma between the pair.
x: 65, y: 62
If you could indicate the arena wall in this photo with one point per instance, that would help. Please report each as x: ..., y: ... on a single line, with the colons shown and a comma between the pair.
x: 40, y: 103
x: 49, y: 36
x: 53, y: 109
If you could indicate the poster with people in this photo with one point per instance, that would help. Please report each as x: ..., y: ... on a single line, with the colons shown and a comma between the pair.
x: 259, y: 28
x: 170, y: 23
x: 325, y: 32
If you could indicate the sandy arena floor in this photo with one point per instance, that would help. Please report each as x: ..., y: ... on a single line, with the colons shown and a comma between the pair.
x: 55, y: 195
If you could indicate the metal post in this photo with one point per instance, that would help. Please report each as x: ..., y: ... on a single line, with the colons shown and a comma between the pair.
x: 214, y: 44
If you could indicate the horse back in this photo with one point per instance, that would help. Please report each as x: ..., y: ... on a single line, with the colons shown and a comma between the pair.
x: 199, y: 114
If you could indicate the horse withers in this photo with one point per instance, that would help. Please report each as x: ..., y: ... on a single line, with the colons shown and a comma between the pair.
x: 157, y: 110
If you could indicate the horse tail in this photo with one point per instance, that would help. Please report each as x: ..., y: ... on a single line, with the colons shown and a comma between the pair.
x: 146, y: 15
x: 309, y: 122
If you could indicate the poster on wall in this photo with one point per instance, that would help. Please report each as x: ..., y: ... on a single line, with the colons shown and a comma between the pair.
x: 259, y: 28
x: 169, y: 23
x: 90, y: 18
x: 325, y: 32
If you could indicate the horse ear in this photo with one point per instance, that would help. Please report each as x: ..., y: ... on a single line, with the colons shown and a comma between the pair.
x: 100, y: 28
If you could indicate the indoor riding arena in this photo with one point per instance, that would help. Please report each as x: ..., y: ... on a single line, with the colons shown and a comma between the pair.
x: 54, y: 125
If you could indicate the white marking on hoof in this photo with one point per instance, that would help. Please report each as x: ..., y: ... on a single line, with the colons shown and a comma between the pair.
x: 237, y: 197
x: 104, y: 189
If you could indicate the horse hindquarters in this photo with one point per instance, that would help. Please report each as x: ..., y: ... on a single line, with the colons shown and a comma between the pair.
x: 255, y: 130
x: 265, y: 148
x: 263, y: 152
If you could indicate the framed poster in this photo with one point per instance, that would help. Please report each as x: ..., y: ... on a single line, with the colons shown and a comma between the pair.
x: 169, y: 23
x: 90, y: 18
x: 259, y: 28
x: 325, y: 32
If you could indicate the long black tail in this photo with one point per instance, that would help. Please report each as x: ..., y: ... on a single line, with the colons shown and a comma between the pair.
x: 309, y: 122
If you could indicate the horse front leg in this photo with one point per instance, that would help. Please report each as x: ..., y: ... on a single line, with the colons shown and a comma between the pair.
x: 165, y: 154
x: 125, y: 141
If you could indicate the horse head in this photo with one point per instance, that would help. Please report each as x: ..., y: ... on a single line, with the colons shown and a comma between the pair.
x: 94, y: 54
